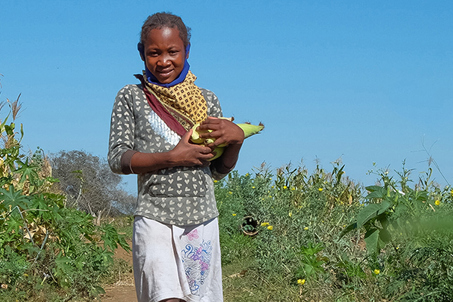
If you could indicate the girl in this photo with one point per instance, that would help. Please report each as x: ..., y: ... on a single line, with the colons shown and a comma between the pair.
x: 176, y: 252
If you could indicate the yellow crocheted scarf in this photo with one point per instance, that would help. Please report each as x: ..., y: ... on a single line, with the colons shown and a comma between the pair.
x: 185, y: 97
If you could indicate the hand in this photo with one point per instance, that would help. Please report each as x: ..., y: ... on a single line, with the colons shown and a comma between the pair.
x: 223, y: 131
x: 189, y: 155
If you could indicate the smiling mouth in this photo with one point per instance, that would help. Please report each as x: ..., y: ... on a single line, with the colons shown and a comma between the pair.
x: 165, y: 73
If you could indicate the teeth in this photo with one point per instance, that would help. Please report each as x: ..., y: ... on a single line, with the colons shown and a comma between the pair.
x: 248, y: 129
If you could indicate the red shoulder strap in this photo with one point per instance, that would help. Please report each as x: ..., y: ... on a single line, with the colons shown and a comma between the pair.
x: 160, y: 110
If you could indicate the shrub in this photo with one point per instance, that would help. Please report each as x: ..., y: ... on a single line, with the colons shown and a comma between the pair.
x: 44, y: 245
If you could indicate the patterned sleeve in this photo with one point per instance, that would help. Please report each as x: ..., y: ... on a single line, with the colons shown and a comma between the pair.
x: 213, y: 103
x: 122, y: 128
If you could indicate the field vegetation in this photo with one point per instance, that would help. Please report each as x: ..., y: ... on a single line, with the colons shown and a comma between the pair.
x: 49, y: 250
x: 286, y: 235
x: 299, y: 236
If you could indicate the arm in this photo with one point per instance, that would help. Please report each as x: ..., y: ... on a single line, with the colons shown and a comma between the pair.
x: 184, y: 154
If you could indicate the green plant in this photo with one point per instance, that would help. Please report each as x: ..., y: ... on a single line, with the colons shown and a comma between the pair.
x: 408, y: 234
x: 45, y: 245
x: 311, y: 262
x: 397, y: 248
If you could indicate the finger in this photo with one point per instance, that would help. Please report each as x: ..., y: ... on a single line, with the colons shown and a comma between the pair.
x: 201, y: 149
x: 205, y: 163
x: 207, y: 126
x: 210, y: 121
x: 187, y: 136
x: 206, y: 150
x: 217, y: 143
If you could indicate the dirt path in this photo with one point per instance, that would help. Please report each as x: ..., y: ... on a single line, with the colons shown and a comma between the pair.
x: 119, y: 293
x: 124, y: 289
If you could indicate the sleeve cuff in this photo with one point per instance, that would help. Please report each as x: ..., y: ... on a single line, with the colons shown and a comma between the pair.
x: 126, y: 162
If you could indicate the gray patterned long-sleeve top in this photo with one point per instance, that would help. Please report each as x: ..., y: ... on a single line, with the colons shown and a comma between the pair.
x: 179, y: 195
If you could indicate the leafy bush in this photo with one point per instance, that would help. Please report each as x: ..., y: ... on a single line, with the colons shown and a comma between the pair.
x: 45, y: 246
x: 409, y: 234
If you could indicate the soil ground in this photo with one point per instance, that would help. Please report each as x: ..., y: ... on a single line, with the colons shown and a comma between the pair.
x: 124, y: 289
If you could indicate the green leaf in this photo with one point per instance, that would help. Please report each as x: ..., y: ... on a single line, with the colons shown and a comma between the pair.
x: 384, y: 206
x: 98, y: 290
x: 349, y: 228
x: 14, y: 198
x: 372, y: 211
x: 28, y: 172
x: 372, y: 240
x: 383, y: 219
x: 373, y: 188
x: 367, y: 213
x: 385, y: 236
x: 376, y: 192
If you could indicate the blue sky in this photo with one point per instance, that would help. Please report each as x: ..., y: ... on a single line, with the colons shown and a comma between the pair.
x: 364, y: 81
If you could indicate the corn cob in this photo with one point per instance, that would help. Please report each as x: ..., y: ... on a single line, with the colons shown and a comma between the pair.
x: 248, y: 129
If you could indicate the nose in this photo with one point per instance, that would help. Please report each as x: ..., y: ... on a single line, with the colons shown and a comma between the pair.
x: 164, y: 60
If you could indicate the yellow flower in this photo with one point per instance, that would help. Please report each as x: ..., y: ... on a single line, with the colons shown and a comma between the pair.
x: 253, y: 187
x: 320, y: 189
x: 230, y: 192
x: 301, y: 281
x: 215, y: 180
x: 292, y: 189
x: 376, y: 271
x: 285, y: 187
x: 264, y: 224
x: 306, y: 228
x: 437, y: 202
x: 290, y: 214
x: 234, y: 214
x: 270, y: 228
x: 246, y: 174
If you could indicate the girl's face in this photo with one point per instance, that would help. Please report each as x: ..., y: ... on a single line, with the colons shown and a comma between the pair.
x: 164, y: 54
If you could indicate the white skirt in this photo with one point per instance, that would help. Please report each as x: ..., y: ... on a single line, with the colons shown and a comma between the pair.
x: 177, y: 262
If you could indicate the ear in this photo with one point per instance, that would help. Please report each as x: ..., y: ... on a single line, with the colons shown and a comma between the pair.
x: 141, y: 50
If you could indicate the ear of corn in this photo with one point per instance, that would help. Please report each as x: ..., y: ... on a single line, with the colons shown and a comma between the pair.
x: 248, y: 129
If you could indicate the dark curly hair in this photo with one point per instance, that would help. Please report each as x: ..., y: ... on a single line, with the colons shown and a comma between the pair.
x: 163, y: 19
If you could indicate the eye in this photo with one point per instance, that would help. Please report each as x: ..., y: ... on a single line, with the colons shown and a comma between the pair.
x: 152, y: 53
